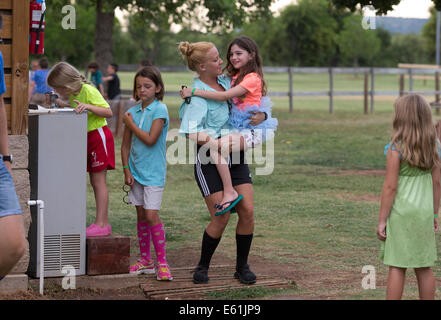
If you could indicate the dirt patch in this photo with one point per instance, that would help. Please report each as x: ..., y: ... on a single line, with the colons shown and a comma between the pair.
x: 306, y: 280
x: 359, y: 198
x: 359, y: 173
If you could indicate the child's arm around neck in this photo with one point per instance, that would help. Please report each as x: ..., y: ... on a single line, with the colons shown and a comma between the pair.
x: 236, y: 91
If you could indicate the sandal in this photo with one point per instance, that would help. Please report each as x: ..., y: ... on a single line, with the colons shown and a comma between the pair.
x: 231, y: 204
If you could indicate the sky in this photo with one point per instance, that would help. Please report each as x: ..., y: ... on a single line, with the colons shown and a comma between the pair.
x: 405, y: 9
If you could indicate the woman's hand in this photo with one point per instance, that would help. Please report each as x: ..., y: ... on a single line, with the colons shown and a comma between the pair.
x: 185, y: 93
x: 257, y: 118
x: 381, y: 231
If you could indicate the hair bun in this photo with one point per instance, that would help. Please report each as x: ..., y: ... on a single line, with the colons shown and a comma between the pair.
x: 185, y: 48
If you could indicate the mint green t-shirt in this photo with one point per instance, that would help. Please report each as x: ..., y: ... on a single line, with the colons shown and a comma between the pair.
x: 148, y: 164
x: 205, y: 115
x: 90, y: 95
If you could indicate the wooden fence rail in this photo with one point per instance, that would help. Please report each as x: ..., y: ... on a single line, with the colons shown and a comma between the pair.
x: 368, y: 91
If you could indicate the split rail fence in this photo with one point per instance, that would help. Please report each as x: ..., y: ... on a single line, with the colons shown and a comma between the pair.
x: 368, y: 91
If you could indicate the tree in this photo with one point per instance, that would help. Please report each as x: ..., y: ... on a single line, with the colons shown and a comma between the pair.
x: 409, y: 48
x: 310, y: 32
x: 149, y: 37
x: 429, y: 35
x: 73, y: 45
x: 381, y: 6
x: 225, y: 13
x: 356, y: 43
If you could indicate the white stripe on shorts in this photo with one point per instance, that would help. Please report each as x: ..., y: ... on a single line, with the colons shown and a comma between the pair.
x: 103, y: 138
x: 201, y: 177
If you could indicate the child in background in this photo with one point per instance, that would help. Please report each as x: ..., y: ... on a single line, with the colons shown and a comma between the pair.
x: 410, y: 198
x: 38, y: 86
x: 96, y: 76
x: 113, y: 85
x: 143, y: 155
x: 68, y: 82
x: 248, y: 92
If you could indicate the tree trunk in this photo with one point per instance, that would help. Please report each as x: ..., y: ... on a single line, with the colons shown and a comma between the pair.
x: 103, y: 37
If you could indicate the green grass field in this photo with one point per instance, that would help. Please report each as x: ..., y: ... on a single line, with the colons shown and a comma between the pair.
x: 319, y: 207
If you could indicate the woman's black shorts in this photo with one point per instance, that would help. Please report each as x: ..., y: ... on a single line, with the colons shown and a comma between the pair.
x: 207, y: 176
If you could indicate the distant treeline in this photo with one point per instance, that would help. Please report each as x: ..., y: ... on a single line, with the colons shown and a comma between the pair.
x: 310, y: 33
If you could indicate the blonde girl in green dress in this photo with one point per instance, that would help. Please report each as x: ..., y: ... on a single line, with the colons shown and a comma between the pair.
x: 410, y: 198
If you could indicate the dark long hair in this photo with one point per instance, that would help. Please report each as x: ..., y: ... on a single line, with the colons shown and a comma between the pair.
x: 254, y: 65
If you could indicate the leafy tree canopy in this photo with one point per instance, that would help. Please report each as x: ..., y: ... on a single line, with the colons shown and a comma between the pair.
x: 381, y: 6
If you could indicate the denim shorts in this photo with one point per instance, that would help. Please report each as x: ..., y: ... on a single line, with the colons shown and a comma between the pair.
x: 9, y: 204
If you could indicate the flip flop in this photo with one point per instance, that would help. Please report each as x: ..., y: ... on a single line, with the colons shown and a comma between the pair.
x: 231, y: 205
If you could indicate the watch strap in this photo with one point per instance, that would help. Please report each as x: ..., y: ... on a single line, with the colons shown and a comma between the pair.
x: 7, y: 158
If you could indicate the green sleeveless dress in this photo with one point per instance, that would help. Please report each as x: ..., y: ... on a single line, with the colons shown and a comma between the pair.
x: 410, y: 236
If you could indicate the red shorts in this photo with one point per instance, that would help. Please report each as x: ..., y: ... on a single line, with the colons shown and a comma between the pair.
x: 100, y: 150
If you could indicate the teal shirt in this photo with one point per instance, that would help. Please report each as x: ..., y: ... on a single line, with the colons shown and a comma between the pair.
x: 148, y: 164
x: 205, y: 115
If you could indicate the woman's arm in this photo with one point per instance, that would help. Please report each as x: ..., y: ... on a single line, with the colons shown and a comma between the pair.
x: 149, y: 138
x: 236, y: 91
x: 99, y: 111
x: 436, y: 192
x: 389, y: 191
x: 126, y: 144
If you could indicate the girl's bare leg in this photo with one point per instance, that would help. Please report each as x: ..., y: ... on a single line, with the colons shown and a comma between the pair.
x: 426, y: 283
x: 233, y: 142
x: 395, y: 283
x: 98, y: 182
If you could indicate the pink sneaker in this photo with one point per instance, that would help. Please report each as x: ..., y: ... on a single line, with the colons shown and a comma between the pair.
x: 143, y: 266
x: 163, y: 272
x: 96, y: 231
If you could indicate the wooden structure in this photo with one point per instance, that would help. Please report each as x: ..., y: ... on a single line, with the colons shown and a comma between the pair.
x: 15, y: 50
x: 108, y: 255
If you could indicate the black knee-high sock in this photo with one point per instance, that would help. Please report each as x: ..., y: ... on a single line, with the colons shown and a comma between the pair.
x: 209, y: 245
x: 243, y: 245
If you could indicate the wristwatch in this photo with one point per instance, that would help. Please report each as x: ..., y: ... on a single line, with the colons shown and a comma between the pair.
x: 7, y: 158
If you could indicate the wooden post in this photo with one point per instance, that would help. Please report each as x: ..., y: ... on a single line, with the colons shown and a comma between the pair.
x: 410, y: 80
x: 119, y: 119
x: 401, y: 84
x: 437, y: 89
x: 366, y: 79
x: 20, y: 70
x: 372, y: 89
x: 331, y: 91
x: 290, y: 89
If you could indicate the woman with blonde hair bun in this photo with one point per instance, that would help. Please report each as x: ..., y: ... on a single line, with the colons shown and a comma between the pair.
x: 204, y: 121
